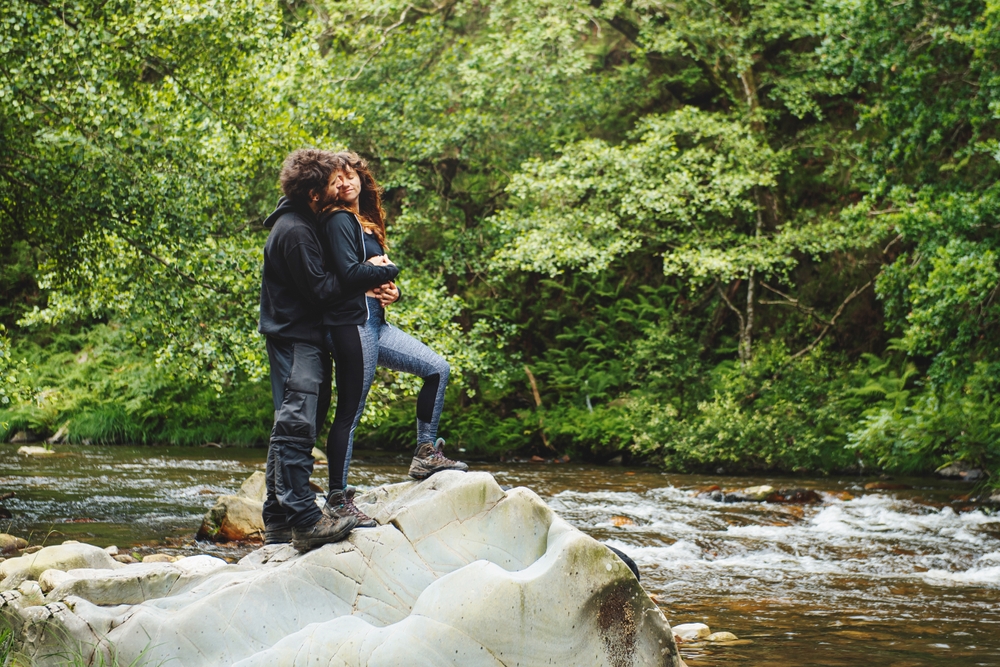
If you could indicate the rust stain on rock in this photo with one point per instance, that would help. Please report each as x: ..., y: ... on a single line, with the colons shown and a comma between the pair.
x: 617, y: 622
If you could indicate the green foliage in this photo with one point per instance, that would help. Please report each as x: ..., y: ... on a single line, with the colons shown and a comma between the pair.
x: 620, y: 199
x: 685, y: 181
x: 777, y: 416
x: 13, y: 372
x: 96, y: 386
x: 909, y: 427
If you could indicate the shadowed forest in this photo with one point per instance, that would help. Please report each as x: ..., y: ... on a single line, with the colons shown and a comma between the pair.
x: 753, y: 235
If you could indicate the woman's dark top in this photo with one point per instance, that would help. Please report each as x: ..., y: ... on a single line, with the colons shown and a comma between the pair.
x: 344, y: 253
x: 372, y: 247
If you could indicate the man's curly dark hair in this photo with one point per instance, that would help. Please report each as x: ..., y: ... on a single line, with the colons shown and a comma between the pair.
x: 306, y: 171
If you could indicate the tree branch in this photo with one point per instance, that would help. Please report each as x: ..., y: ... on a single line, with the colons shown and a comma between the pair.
x: 181, y: 274
x: 833, y: 320
x: 731, y: 307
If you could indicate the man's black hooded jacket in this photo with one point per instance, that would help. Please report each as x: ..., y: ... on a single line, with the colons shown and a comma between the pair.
x: 295, y: 286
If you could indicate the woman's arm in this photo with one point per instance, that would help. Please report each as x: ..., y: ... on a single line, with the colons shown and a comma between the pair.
x: 341, y: 236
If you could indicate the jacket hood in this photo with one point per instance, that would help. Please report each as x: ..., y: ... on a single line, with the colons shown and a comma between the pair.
x: 286, y: 206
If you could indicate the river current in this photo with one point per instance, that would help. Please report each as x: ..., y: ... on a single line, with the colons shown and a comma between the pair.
x: 902, y: 578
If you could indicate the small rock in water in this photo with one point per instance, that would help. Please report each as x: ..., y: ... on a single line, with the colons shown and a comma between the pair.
x: 112, y: 550
x: 960, y: 470
x: 33, y: 549
x: 796, y: 496
x: 750, y: 494
x: 10, y: 544
x: 23, y: 436
x: 34, y: 450
x: 125, y: 558
x: 615, y: 461
x: 159, y: 558
x: 886, y: 486
x: 722, y: 637
x: 537, y: 459
x: 621, y: 521
x: 689, y: 632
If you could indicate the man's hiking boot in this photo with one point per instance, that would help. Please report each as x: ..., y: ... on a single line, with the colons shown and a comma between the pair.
x: 341, y: 503
x: 325, y: 531
x: 428, y: 459
x: 277, y: 534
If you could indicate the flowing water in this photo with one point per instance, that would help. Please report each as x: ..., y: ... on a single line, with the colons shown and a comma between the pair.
x: 902, y: 578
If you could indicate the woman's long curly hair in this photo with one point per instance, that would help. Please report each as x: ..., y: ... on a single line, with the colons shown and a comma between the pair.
x: 370, y: 211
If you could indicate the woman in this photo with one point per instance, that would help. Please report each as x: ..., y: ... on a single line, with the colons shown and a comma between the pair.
x: 360, y: 338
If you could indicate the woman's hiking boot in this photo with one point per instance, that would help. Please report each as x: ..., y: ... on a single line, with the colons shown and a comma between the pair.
x: 341, y: 503
x: 428, y: 459
x: 325, y: 531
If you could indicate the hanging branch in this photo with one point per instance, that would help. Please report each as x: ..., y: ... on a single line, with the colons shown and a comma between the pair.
x: 833, y: 320
x: 733, y: 308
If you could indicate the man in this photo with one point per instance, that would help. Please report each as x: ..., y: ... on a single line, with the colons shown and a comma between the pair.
x: 295, y: 287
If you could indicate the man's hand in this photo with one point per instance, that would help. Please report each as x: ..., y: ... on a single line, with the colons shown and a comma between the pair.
x: 386, y: 293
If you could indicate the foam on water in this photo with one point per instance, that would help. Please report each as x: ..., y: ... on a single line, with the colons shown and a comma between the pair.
x: 876, y: 536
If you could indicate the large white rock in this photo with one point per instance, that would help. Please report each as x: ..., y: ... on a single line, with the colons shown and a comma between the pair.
x: 68, y: 556
x: 129, y: 585
x: 458, y: 573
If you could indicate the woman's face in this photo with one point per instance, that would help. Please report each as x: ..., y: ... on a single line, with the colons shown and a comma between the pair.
x: 348, y: 185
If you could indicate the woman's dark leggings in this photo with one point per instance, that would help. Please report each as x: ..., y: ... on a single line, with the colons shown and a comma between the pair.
x: 357, y: 350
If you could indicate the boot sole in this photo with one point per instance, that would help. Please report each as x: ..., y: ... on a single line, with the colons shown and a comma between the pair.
x: 422, y: 474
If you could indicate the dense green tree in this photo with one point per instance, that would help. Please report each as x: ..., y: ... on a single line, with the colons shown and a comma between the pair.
x: 683, y: 230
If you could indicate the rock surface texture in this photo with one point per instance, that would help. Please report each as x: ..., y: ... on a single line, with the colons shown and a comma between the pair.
x: 458, y: 572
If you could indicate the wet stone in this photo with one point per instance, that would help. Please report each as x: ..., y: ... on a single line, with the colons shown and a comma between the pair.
x: 960, y: 470
x: 159, y: 558
x: 34, y: 450
x: 10, y: 544
x: 795, y: 496
x: 886, y: 486
x: 689, y: 632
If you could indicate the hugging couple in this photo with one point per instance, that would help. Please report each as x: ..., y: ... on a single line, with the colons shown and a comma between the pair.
x: 326, y: 283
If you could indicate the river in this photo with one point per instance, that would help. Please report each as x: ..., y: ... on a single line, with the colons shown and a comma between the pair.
x: 903, y: 578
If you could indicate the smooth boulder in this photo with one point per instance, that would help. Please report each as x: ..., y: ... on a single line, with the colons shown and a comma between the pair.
x: 459, y: 572
x: 67, y: 556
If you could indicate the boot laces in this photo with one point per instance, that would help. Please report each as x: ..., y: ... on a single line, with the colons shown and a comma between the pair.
x: 354, y: 510
x: 438, y: 453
